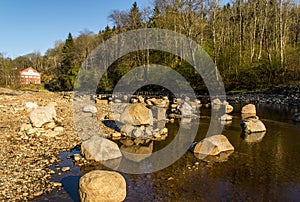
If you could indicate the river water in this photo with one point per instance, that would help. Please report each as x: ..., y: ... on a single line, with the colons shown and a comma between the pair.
x: 263, y: 169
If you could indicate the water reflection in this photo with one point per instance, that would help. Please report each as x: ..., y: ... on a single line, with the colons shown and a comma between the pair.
x: 253, y: 137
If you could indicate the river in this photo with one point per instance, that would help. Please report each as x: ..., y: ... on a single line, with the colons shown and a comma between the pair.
x: 266, y: 170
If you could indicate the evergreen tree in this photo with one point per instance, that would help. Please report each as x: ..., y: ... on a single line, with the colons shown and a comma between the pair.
x: 69, y: 68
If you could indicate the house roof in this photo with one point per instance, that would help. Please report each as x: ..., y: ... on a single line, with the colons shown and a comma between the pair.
x: 29, y: 71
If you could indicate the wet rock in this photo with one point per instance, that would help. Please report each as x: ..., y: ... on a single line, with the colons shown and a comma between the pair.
x: 40, y: 116
x: 89, y: 109
x: 245, y: 116
x: 296, y: 117
x: 222, y: 157
x: 137, y: 114
x: 99, y: 185
x: 253, y: 137
x: 212, y: 145
x: 228, y: 109
x: 252, y: 125
x: 249, y: 109
x: 100, y: 149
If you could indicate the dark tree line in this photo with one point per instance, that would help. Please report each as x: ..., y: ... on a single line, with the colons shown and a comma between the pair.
x: 254, y: 44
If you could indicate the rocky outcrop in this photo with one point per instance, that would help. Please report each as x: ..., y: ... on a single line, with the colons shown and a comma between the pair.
x: 137, y: 114
x: 99, y: 186
x: 252, y: 125
x: 100, y: 149
x: 212, y: 145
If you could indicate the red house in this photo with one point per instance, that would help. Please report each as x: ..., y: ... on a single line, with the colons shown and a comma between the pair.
x: 29, y: 76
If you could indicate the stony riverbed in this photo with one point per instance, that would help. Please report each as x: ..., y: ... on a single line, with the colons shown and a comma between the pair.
x: 24, y: 168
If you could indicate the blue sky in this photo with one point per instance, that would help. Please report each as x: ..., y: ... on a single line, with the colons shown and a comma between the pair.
x: 35, y: 25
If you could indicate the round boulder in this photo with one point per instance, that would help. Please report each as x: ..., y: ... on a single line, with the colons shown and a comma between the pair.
x: 99, y: 186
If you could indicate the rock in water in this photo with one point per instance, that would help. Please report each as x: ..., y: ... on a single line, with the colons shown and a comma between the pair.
x: 137, y: 114
x: 100, y: 186
x: 137, y: 153
x: 100, y: 149
x: 229, y: 109
x: 252, y: 125
x: 226, y: 117
x: 212, y: 145
x: 186, y: 110
x: 253, y: 137
x: 40, y: 116
x: 249, y: 109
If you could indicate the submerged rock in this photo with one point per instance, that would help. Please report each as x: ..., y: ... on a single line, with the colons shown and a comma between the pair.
x: 252, y: 125
x: 253, y: 137
x: 99, y: 186
x: 137, y: 153
x: 212, y: 145
x: 100, y: 149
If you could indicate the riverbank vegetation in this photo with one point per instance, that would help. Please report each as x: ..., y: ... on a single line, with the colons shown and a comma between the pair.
x: 254, y: 44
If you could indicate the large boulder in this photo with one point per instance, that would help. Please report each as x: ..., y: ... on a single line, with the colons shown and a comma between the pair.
x: 137, y: 114
x: 40, y: 116
x: 249, y: 109
x: 100, y: 185
x: 100, y: 149
x: 212, y: 145
x: 252, y: 125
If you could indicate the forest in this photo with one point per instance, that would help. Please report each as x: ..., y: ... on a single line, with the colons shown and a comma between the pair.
x: 254, y: 43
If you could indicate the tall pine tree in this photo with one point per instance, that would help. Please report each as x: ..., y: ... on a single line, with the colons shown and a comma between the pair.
x: 69, y: 68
